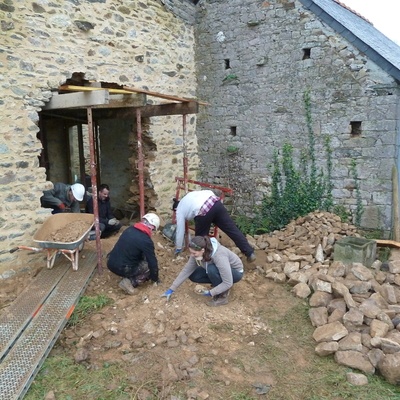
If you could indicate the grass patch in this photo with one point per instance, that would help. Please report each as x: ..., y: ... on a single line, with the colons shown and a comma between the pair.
x: 87, y: 306
x: 224, y: 327
x: 301, y: 374
x: 106, y: 383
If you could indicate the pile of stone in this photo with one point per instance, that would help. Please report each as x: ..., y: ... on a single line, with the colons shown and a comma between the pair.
x: 355, y: 308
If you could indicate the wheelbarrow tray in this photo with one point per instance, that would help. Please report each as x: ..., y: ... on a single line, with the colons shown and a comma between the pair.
x: 57, y: 222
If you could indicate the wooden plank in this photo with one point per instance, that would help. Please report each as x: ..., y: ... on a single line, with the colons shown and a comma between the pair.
x: 130, y: 90
x: 164, y: 96
x: 387, y: 243
x: 74, y: 88
x: 74, y: 100
x: 395, y: 204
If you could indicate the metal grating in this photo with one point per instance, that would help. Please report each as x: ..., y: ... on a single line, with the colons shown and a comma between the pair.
x: 18, y: 315
x: 24, y: 359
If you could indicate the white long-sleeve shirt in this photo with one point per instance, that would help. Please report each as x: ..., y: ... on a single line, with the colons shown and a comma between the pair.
x: 188, y: 208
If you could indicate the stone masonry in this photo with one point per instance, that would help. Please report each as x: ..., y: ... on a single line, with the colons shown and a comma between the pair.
x: 133, y: 43
x: 252, y: 62
x: 255, y: 60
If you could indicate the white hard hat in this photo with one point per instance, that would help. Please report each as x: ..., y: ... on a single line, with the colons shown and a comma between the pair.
x: 152, y: 219
x: 78, y: 190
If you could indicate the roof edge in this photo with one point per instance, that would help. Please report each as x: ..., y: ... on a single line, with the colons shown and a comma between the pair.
x: 365, y: 48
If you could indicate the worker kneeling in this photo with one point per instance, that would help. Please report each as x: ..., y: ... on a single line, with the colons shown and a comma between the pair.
x: 133, y: 256
x: 212, y: 263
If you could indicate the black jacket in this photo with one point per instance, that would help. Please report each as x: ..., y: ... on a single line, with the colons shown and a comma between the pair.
x: 105, y: 213
x: 132, y: 247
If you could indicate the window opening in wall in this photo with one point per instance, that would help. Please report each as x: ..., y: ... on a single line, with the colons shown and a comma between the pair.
x: 233, y: 130
x: 227, y: 63
x: 306, y: 53
x: 355, y: 128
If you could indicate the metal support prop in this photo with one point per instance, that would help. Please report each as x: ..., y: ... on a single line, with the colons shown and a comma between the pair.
x: 185, y: 172
x: 93, y: 174
x: 140, y: 162
x: 185, y: 152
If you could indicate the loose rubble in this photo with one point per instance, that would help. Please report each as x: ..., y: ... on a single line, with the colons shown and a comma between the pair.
x: 355, y: 309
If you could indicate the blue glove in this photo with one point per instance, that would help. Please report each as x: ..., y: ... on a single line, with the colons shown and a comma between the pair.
x: 168, y: 294
x: 206, y: 293
x: 177, y: 251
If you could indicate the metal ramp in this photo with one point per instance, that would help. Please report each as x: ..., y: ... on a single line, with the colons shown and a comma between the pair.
x: 32, y: 323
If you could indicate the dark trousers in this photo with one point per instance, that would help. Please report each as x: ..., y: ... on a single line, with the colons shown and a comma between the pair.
x: 129, y: 271
x: 107, y: 230
x: 200, y: 275
x: 219, y: 216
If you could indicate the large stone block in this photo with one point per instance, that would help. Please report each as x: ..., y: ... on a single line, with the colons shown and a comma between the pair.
x: 355, y: 250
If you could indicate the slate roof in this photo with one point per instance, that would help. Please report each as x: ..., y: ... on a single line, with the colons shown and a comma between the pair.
x: 361, y: 33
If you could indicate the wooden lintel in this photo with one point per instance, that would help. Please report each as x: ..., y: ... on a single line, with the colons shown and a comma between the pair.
x: 74, y: 100
x: 129, y: 90
x: 121, y: 101
x: 170, y: 109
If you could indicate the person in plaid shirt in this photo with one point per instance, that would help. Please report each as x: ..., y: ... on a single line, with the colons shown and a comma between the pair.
x: 205, y: 208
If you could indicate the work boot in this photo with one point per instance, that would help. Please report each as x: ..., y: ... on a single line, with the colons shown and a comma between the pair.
x: 252, y: 257
x: 126, y: 286
x: 219, y: 299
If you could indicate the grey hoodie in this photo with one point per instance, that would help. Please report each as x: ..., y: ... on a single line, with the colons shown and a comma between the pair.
x: 223, y: 258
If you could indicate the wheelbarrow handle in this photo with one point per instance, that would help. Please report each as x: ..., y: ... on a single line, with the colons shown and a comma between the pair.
x: 26, y: 248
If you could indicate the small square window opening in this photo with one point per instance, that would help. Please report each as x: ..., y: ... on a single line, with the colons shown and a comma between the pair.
x: 306, y: 53
x: 355, y: 128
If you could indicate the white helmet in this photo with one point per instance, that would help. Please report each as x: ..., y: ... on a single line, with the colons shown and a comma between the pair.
x: 78, y: 190
x: 152, y: 219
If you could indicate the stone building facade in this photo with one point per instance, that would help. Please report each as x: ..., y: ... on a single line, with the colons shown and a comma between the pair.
x: 43, y: 45
x: 250, y: 60
x: 255, y: 60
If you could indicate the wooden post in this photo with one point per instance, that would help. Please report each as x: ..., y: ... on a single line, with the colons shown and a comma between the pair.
x: 395, y: 205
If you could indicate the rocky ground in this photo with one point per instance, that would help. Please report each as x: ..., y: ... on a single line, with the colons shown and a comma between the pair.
x: 184, y: 345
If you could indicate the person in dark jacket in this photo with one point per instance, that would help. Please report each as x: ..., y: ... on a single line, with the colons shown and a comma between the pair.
x: 63, y: 197
x: 133, y: 256
x: 108, y: 224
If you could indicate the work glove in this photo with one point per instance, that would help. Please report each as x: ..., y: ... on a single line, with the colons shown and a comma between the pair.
x: 205, y: 293
x: 113, y: 221
x: 61, y: 206
x: 167, y: 294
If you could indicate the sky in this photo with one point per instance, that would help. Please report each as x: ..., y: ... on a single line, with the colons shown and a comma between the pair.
x: 384, y: 15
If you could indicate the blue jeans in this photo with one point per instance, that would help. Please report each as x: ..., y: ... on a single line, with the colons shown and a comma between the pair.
x: 200, y: 275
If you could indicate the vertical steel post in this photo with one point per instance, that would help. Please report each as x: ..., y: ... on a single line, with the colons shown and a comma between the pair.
x: 140, y: 161
x: 185, y: 155
x: 94, y: 189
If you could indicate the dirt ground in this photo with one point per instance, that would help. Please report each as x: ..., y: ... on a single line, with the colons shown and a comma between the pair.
x: 184, y: 345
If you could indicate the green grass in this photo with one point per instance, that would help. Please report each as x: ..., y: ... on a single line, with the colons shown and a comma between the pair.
x: 78, y: 382
x: 87, y: 306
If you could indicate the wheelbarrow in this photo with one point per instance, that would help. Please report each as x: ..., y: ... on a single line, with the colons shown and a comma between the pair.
x: 62, y: 233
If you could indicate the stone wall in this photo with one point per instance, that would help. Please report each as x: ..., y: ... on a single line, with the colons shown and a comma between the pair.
x: 133, y: 43
x: 184, y: 9
x: 255, y: 60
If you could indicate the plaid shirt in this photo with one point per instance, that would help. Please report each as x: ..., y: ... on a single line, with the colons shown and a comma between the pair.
x: 206, y: 207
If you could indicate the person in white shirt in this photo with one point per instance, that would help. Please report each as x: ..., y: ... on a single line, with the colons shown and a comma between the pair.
x: 205, y: 208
